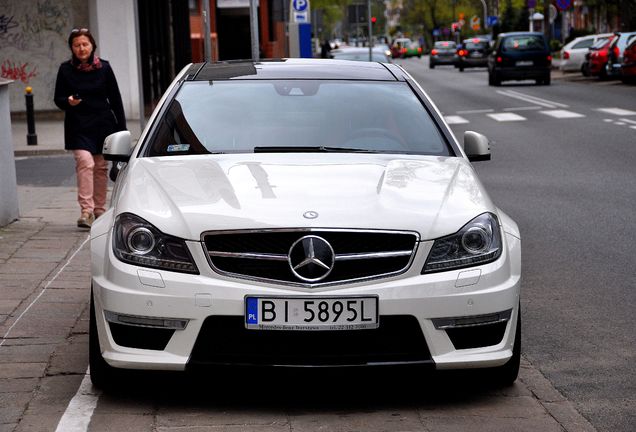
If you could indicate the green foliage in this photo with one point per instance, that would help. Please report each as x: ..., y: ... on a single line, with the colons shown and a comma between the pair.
x: 555, y: 45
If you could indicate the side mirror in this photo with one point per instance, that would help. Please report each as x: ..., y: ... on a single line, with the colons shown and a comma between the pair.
x: 476, y: 146
x: 118, y: 146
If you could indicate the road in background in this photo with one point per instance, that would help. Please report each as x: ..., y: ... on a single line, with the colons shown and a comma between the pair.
x: 564, y: 167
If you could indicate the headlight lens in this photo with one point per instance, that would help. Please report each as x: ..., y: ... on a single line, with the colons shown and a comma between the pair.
x: 478, y: 242
x: 139, y: 243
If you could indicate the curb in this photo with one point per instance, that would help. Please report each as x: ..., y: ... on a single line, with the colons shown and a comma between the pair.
x: 43, y: 152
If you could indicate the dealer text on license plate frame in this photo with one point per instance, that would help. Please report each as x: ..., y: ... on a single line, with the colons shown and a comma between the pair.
x: 306, y: 313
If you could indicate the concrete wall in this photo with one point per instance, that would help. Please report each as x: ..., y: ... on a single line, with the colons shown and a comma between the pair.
x: 33, y: 43
x: 8, y: 187
x: 114, y: 26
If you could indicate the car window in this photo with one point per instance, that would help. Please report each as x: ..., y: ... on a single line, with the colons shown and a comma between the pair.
x: 445, y: 45
x: 600, y: 43
x: 359, y: 56
x: 586, y: 43
x: 476, y: 45
x: 523, y: 43
x: 237, y: 116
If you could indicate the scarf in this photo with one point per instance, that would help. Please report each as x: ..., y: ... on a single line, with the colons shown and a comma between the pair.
x: 93, y: 63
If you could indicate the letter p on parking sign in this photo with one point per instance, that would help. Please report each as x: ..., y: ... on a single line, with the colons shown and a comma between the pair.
x: 300, y: 5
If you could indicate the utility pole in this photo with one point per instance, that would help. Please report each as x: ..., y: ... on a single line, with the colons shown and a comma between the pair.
x: 207, y: 44
x: 547, y: 27
x: 254, y: 28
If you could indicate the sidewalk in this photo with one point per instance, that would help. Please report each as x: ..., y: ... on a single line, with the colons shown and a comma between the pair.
x: 50, y: 137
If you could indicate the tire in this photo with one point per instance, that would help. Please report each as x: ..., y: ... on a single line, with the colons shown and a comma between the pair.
x: 103, y: 375
x: 493, y: 80
x: 461, y: 69
x: 602, y: 75
x: 506, y: 375
x: 432, y: 65
x: 585, y: 69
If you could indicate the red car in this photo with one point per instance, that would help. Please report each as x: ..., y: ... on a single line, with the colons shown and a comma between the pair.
x: 597, y: 58
x: 628, y: 70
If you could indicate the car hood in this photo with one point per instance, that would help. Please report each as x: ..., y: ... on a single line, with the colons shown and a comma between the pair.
x: 185, y: 196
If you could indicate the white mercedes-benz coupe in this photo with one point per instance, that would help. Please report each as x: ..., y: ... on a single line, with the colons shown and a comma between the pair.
x: 299, y: 213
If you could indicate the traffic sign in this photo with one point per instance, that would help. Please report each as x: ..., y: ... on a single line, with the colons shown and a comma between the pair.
x: 300, y: 5
x: 475, y: 22
x: 564, y: 4
x: 492, y: 20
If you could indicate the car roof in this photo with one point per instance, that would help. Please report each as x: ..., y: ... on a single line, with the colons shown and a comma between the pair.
x: 294, y: 69
x: 520, y: 34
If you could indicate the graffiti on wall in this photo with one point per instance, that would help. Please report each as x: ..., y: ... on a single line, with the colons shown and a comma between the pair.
x: 32, y: 46
x: 12, y: 71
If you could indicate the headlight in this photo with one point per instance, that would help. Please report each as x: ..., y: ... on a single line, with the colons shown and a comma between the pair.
x: 478, y: 242
x: 137, y: 242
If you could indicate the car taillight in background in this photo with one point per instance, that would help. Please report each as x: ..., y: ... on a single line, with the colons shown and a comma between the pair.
x: 433, y: 52
x: 549, y: 58
x: 616, y: 51
x: 419, y: 50
x: 403, y: 50
x: 566, y: 55
x: 462, y: 52
x: 499, y: 59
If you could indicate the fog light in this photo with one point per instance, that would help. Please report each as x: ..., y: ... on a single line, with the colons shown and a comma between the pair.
x: 142, y: 321
x: 472, y: 321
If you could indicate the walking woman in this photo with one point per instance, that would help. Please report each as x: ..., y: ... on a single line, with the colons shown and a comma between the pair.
x: 87, y: 91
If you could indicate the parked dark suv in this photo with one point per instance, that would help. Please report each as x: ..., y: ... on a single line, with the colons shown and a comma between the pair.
x: 520, y: 56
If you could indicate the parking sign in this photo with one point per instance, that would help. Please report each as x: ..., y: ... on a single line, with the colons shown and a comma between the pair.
x: 300, y: 5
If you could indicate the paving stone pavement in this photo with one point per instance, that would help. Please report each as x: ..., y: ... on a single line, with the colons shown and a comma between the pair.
x: 44, y: 293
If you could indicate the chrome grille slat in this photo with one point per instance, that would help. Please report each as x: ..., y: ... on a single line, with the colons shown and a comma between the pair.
x: 263, y: 255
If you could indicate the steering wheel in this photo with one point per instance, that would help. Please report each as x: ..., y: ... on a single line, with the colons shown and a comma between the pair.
x: 375, y: 139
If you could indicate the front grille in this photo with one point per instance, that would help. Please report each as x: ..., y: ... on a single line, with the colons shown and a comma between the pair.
x: 265, y: 255
x: 224, y: 340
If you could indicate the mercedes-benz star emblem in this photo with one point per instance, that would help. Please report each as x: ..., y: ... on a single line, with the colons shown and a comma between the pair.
x: 311, y: 258
x: 310, y: 214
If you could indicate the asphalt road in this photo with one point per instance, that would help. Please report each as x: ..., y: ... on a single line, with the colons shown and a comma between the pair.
x: 564, y: 169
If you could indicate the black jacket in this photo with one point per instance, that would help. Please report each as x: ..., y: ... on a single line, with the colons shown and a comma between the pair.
x: 101, y: 111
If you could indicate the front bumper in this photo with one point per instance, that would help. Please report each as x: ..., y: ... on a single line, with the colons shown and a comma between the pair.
x: 162, y: 296
x: 518, y: 74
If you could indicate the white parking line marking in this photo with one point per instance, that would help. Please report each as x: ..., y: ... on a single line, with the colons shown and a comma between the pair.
x: 479, y: 111
x: 4, y: 338
x: 632, y: 127
x: 628, y: 121
x: 455, y: 120
x: 506, y: 117
x: 528, y: 108
x: 532, y: 99
x: 617, y: 111
x: 618, y: 123
x: 562, y: 114
x: 608, y: 120
x: 80, y: 409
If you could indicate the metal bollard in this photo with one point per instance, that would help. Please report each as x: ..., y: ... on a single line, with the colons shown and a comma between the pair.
x: 32, y: 137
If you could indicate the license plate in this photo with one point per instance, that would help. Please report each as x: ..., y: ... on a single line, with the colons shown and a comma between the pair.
x: 476, y: 54
x: 311, y: 313
x: 524, y: 63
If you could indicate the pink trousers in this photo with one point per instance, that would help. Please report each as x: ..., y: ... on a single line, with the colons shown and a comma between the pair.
x: 92, y: 181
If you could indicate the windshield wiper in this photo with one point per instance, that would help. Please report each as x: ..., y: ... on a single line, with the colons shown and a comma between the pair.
x: 309, y: 149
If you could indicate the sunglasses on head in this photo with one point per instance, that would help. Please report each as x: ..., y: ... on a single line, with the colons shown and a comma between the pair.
x: 77, y: 30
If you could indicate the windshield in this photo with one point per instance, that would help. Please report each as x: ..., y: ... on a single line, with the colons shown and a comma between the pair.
x: 472, y: 45
x: 524, y: 43
x: 246, y: 116
x: 360, y: 56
